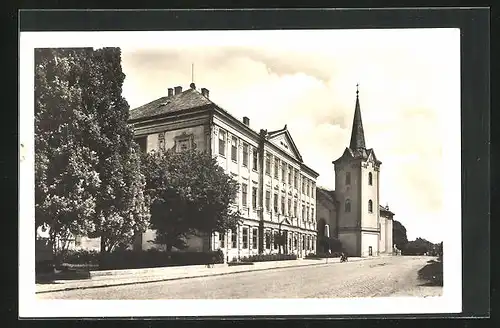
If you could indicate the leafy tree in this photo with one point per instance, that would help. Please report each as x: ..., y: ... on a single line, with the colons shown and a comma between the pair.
x: 399, y: 235
x: 88, y: 175
x: 418, y: 246
x: 65, y: 163
x: 190, y: 194
x: 121, y: 207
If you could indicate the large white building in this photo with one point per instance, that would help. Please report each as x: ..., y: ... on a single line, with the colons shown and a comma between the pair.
x: 278, y: 189
x: 352, y: 212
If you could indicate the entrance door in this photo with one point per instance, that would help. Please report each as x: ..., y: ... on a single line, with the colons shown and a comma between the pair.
x: 370, y: 251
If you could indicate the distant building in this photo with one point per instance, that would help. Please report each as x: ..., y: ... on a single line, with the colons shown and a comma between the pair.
x: 352, y: 212
x: 277, y: 188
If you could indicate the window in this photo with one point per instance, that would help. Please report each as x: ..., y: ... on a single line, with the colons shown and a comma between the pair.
x: 348, y: 178
x: 254, y: 198
x: 244, y: 191
x: 303, y: 242
x: 276, y: 239
x: 312, y: 214
x: 255, y: 161
x: 233, y: 239
x: 347, y: 206
x: 283, y: 172
x: 296, y: 179
x: 161, y: 141
x: 268, y: 200
x: 276, y: 167
x: 290, y: 243
x: 183, y: 145
x: 307, y: 213
x: 268, y: 164
x: 313, y: 190
x: 275, y: 203
x: 245, y: 154
x: 307, y: 188
x: 282, y: 204
x: 268, y: 240
x: 370, y: 179
x: 142, y: 142
x: 370, y: 206
x: 289, y: 207
x: 303, y: 185
x: 303, y: 212
x: 255, y: 234
x: 295, y: 208
x: 221, y: 240
x: 295, y: 242
x: 290, y: 174
x: 245, y: 237
x: 222, y: 143
x: 234, y: 149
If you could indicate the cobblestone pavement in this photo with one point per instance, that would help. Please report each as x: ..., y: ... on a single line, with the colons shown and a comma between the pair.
x: 386, y: 276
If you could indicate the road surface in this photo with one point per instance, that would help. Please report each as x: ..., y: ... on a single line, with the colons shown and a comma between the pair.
x: 385, y: 276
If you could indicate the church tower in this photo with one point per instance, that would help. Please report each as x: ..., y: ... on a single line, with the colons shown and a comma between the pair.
x: 357, y: 176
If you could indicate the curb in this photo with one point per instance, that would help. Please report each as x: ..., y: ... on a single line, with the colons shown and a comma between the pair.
x: 176, y: 278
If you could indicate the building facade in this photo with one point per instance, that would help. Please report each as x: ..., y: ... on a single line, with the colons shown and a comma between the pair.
x: 352, y: 211
x: 277, y: 189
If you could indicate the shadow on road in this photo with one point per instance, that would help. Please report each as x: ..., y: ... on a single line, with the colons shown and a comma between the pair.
x: 64, y: 273
x: 431, y: 274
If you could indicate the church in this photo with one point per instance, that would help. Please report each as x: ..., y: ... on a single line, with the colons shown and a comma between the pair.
x: 352, y: 212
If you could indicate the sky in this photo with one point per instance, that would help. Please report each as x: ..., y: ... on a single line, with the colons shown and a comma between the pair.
x: 307, y: 80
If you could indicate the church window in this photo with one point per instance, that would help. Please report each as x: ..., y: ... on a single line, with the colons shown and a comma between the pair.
x: 370, y: 179
x: 370, y: 206
x: 348, y: 178
x: 347, y: 206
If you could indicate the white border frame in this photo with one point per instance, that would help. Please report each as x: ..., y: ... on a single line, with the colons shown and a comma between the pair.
x: 29, y: 306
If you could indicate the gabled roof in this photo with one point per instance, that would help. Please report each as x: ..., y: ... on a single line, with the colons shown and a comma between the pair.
x: 188, y: 99
x: 361, y: 153
x: 273, y: 135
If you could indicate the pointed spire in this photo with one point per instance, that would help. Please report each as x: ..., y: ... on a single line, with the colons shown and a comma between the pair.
x: 357, y: 135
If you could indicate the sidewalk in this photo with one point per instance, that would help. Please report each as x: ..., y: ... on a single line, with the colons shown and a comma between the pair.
x: 135, y: 276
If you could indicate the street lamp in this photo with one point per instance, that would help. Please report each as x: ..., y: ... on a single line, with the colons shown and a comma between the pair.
x: 327, y: 235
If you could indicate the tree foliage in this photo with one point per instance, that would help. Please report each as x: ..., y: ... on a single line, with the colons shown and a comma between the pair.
x: 190, y: 194
x: 65, y: 162
x: 87, y: 167
x: 399, y: 235
x: 121, y: 208
x: 420, y: 246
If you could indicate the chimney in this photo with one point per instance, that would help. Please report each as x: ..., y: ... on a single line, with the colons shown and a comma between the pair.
x: 178, y: 90
x: 204, y: 92
x: 170, y: 92
x: 246, y: 121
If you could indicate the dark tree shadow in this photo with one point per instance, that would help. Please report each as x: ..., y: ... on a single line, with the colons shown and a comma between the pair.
x: 431, y: 274
x: 51, y: 276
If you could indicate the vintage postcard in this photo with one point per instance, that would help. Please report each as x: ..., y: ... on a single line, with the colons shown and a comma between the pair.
x: 226, y: 173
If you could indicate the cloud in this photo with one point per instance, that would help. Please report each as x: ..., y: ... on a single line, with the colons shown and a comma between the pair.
x: 407, y: 80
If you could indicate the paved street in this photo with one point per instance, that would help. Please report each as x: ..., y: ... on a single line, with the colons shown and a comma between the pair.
x: 386, y: 276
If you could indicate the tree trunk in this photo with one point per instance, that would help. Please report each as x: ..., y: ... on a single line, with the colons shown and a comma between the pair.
x: 103, y: 244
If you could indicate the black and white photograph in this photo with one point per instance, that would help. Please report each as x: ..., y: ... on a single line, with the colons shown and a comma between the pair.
x: 275, y: 172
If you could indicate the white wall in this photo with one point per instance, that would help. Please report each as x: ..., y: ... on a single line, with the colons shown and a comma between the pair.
x: 369, y: 239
